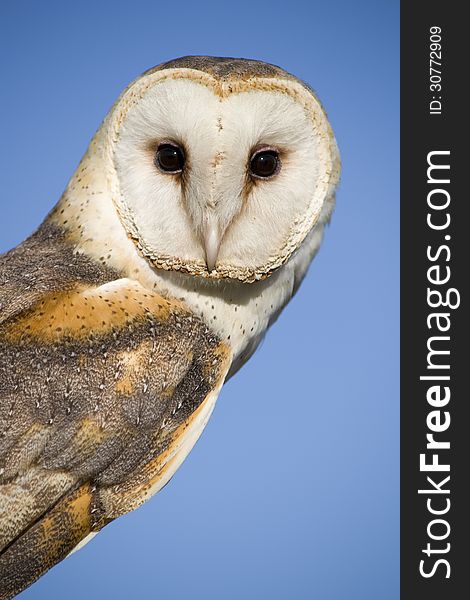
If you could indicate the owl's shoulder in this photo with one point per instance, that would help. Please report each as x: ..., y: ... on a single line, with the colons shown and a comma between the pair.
x: 45, y: 262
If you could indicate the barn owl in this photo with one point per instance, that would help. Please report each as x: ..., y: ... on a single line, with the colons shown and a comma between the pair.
x: 186, y: 228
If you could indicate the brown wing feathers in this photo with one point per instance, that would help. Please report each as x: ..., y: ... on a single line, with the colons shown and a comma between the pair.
x: 46, y: 542
x: 99, y: 378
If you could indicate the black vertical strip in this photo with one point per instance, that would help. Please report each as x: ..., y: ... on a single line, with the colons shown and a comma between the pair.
x: 435, y: 266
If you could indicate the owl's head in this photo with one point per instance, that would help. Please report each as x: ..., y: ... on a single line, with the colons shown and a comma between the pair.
x: 220, y: 167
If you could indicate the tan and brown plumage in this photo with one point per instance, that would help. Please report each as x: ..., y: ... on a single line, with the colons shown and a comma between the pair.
x: 100, y: 384
x: 185, y: 230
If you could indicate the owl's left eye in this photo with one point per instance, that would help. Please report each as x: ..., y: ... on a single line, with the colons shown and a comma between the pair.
x: 265, y: 163
x: 169, y: 158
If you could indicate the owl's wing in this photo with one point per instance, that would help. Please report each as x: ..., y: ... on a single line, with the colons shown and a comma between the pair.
x: 103, y: 391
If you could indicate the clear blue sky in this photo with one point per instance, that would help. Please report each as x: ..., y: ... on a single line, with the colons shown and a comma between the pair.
x: 293, y: 489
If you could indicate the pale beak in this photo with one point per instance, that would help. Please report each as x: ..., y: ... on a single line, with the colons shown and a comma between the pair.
x: 212, y: 240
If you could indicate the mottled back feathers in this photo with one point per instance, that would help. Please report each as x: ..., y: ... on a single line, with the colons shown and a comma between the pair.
x: 100, y: 381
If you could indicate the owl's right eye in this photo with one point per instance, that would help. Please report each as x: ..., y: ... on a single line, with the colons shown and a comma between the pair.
x: 169, y: 158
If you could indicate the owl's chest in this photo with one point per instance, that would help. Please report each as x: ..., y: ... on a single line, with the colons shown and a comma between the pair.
x: 238, y: 313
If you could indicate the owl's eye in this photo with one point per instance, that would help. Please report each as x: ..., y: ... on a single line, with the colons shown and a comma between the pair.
x: 169, y: 158
x: 265, y: 163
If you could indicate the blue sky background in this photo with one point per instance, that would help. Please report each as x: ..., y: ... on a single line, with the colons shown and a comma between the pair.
x: 293, y: 489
